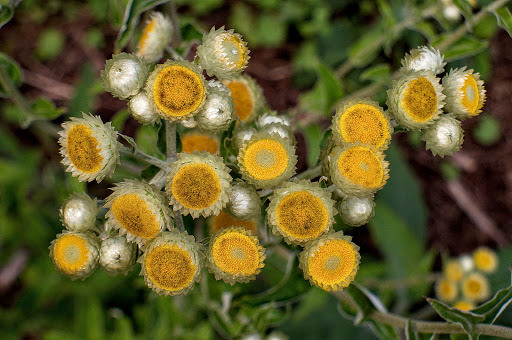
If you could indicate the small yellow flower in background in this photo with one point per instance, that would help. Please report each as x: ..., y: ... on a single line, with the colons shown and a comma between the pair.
x: 464, y: 305
x: 138, y: 210
x: 75, y: 254
x: 475, y: 287
x: 358, y: 170
x: 416, y: 100
x: 89, y: 148
x: 224, y: 220
x: 485, y: 260
x: 465, y: 93
x: 247, y: 96
x: 235, y: 255
x: 155, y: 37
x: 423, y: 58
x: 331, y: 261
x: 446, y: 290
x: 172, y: 263
x: 195, y: 140
x: 267, y: 160
x: 223, y: 54
x: 362, y: 121
x: 198, y: 184
x: 454, y: 271
x: 176, y: 90
x: 301, y: 212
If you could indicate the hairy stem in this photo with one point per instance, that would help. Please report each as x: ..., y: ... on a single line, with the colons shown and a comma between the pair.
x: 142, y: 156
x: 170, y: 142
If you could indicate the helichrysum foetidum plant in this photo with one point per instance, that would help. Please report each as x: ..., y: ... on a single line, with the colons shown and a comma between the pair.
x: 237, y: 170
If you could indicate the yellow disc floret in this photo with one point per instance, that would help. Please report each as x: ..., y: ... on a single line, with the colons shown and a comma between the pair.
x: 485, y: 260
x: 446, y: 290
x: 247, y: 96
x: 199, y: 142
x: 454, y: 271
x: 134, y: 215
x: 420, y: 100
x: 224, y: 220
x: 330, y: 262
x: 465, y: 93
x: 470, y: 95
x: 475, y: 287
x: 83, y: 149
x: 234, y: 255
x: 75, y: 254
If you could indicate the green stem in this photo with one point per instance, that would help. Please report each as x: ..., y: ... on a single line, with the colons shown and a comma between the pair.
x: 170, y: 142
x: 142, y: 156
x: 17, y: 97
x: 310, y: 173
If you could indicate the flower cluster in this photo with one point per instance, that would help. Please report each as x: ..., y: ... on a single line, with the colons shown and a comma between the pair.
x: 464, y: 281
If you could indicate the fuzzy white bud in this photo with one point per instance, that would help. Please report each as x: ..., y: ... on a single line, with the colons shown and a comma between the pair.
x: 282, y: 130
x: 467, y: 263
x: 78, y: 213
x: 444, y: 137
x: 218, y: 110
x: 423, y: 58
x: 140, y: 108
x: 244, y: 202
x: 124, y: 75
x: 117, y: 255
x: 356, y: 211
x: 270, y: 118
x: 241, y: 136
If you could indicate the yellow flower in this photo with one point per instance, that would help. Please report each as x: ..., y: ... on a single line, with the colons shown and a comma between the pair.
x: 193, y: 141
x: 465, y: 93
x: 235, y: 255
x: 485, y: 260
x: 362, y: 121
x: 358, y: 170
x: 267, y: 160
x: 301, y: 212
x: 176, y: 90
x: 89, y: 148
x: 454, y: 271
x: 331, y: 261
x: 224, y: 220
x: 75, y: 254
x: 446, y: 290
x: 138, y: 210
x: 247, y: 96
x: 155, y: 37
x: 223, y: 54
x: 416, y: 99
x: 198, y: 184
x: 475, y: 287
x: 172, y: 263
x: 464, y: 305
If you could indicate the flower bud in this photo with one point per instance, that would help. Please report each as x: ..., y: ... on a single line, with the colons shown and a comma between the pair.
x: 355, y: 211
x: 244, y: 202
x: 140, y: 108
x: 423, y: 58
x: 117, y: 255
x: 218, y: 110
x: 280, y: 129
x: 124, y: 75
x: 444, y: 137
x: 155, y: 37
x: 270, y: 118
x: 78, y: 213
x: 241, y: 135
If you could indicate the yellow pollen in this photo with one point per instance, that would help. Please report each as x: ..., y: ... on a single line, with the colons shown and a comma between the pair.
x: 361, y: 166
x: 464, y: 306
x: 196, y: 186
x: 150, y: 27
x: 178, y: 90
x: 364, y: 123
x: 134, y: 215
x: 230, y: 49
x: 236, y: 254
x: 242, y: 97
x: 170, y: 267
x: 82, y: 149
x: 71, y: 253
x: 302, y: 215
x: 420, y: 100
x: 265, y: 159
x: 332, y: 262
x: 200, y: 143
x: 223, y: 221
x: 470, y: 94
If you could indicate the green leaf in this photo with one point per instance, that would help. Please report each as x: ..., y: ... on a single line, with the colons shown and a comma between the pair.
x: 325, y: 94
x: 84, y: 93
x: 313, y: 134
x: 133, y: 11
x: 504, y: 18
x: 465, y: 7
x: 50, y: 45
x: 465, y: 319
x: 44, y: 108
x: 463, y: 48
x: 367, y: 47
x: 383, y: 331
x: 380, y: 72
x: 362, y: 303
x: 492, y: 309
x: 119, y: 119
x: 7, y: 11
x: 13, y: 71
x: 130, y: 140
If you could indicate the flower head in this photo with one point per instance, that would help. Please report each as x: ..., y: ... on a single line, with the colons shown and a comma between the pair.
x: 235, y: 255
x: 358, y: 170
x: 140, y: 109
x: 475, y: 287
x: 301, y: 212
x: 124, y: 75
x: 89, y: 148
x: 223, y: 54
x: 195, y: 140
x: 446, y: 290
x: 444, y: 137
x: 330, y: 262
x: 242, y: 135
x: 362, y: 121
x: 155, y: 37
x: 172, y: 263
x: 453, y: 271
x: 267, y: 160
x: 138, y: 210
x: 176, y: 90
x: 423, y: 58
x: 78, y: 213
x: 356, y: 211
x: 244, y: 202
x: 416, y: 99
x: 485, y: 260
x: 198, y: 184
x: 223, y: 221
x: 272, y: 117
x: 247, y: 96
x: 218, y: 110
x: 117, y: 255
x: 75, y: 254
x: 465, y: 93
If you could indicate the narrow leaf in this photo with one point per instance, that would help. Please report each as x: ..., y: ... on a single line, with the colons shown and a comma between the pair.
x: 378, y: 72
x: 492, y: 309
x: 466, y: 319
x: 130, y: 140
x: 161, y: 142
x: 366, y: 49
x: 13, y: 71
x: 465, y: 47
x: 504, y: 18
x: 465, y: 7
